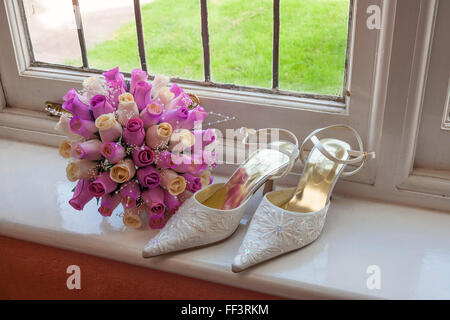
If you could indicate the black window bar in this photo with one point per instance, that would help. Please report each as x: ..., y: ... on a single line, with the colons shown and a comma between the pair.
x: 81, y: 39
x: 140, y: 34
x: 206, y: 53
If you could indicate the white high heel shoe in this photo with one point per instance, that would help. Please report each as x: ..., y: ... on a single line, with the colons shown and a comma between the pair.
x: 213, y: 214
x: 291, y: 218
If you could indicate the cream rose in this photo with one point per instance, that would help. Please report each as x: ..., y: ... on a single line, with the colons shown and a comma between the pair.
x: 127, y: 108
x: 105, y: 121
x: 65, y: 149
x: 63, y: 126
x: 158, y: 136
x: 132, y: 217
x: 82, y: 169
x: 109, y: 128
x: 123, y: 171
x: 181, y: 139
x: 172, y: 182
x: 72, y: 172
x: 165, y: 95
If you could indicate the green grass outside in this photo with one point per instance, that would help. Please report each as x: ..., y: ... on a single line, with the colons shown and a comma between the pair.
x: 313, y: 40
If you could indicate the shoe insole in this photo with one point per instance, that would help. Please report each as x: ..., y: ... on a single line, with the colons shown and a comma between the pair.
x: 255, y: 170
x: 318, y: 178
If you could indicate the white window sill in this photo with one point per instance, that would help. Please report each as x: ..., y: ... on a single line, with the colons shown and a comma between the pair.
x: 411, y: 246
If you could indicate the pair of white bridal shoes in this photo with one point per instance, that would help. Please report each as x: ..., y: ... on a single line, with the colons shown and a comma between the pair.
x: 285, y: 220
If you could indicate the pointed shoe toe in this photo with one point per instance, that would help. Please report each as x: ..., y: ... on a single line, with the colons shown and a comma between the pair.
x: 274, y: 231
x: 194, y: 225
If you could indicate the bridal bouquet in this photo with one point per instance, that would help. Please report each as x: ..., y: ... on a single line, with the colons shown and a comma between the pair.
x: 137, y: 144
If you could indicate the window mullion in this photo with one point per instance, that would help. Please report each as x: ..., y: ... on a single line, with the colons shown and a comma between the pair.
x: 81, y: 39
x: 140, y: 34
x: 276, y: 43
x: 205, y: 41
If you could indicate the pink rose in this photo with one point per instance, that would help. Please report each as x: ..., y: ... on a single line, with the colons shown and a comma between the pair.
x: 108, y: 204
x: 142, y: 94
x: 81, y: 196
x: 99, y: 106
x: 136, y: 76
x: 89, y: 150
x: 84, y: 128
x: 143, y: 156
x: 134, y: 133
x: 130, y: 192
x: 102, y: 185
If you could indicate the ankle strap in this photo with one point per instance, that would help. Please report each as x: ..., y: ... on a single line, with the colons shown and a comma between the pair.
x: 292, y: 156
x: 358, y: 156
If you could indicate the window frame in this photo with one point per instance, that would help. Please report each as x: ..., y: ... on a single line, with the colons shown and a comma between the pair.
x: 380, y: 109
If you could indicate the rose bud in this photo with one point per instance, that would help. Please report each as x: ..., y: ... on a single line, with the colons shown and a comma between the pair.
x: 127, y: 108
x: 158, y: 136
x: 102, y: 185
x: 89, y: 150
x: 123, y: 171
x: 183, y: 100
x: 186, y: 194
x: 142, y: 94
x: 158, y: 83
x: 154, y: 199
x: 85, y: 128
x: 108, y: 127
x: 100, y: 106
x: 164, y: 95
x: 180, y: 140
x: 172, y: 182
x: 163, y: 160
x: 116, y: 83
x: 65, y: 149
x: 71, y: 94
x: 115, y: 76
x: 175, y: 117
x: 136, y: 76
x: 130, y: 192
x: 205, y: 178
x: 195, y: 117
x: 134, y: 133
x: 132, y: 217
x: 63, y: 126
x: 76, y: 107
x: 108, y: 204
x: 157, y: 221
x: 113, y: 152
x: 81, y: 169
x: 193, y: 183
x: 171, y: 202
x: 151, y: 114
x: 176, y: 90
x: 148, y: 177
x: 81, y: 196
x: 184, y: 163
x: 143, y: 156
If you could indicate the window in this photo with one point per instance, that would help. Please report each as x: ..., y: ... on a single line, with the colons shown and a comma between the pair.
x: 270, y: 98
x: 294, y: 47
x: 387, y: 71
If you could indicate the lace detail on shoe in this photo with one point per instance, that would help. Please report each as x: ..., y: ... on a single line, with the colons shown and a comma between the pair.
x: 274, y: 231
x: 194, y: 225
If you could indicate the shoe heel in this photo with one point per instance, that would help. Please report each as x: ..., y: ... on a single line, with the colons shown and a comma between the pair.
x: 268, y: 186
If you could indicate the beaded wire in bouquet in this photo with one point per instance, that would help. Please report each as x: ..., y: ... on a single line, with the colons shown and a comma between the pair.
x: 134, y: 144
